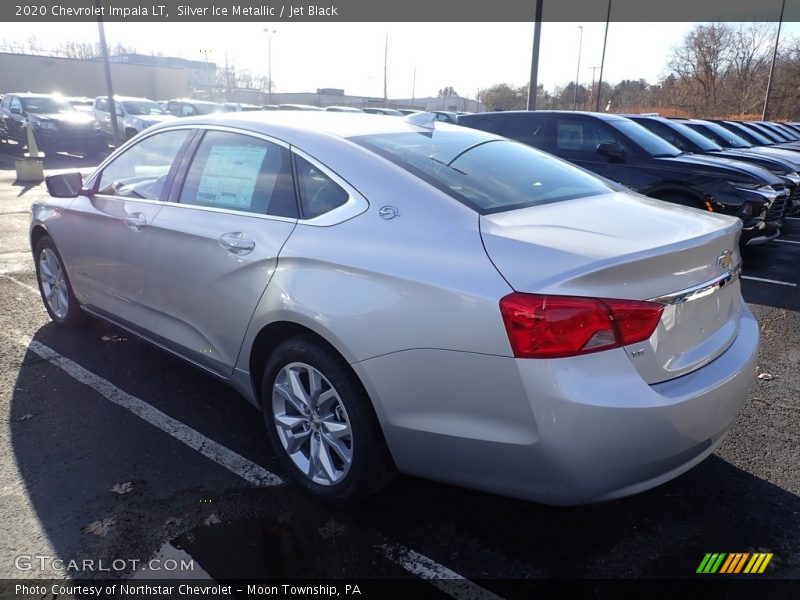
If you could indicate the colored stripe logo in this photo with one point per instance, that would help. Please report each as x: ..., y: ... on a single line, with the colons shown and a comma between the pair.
x: 735, y: 562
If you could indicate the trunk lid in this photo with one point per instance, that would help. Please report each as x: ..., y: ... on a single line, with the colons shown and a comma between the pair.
x: 631, y: 247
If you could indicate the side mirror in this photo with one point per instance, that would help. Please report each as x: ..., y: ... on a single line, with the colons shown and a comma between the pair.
x: 66, y: 185
x: 16, y: 111
x: 612, y: 150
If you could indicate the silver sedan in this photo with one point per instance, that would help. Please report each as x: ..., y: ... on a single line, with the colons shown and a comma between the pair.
x: 404, y: 295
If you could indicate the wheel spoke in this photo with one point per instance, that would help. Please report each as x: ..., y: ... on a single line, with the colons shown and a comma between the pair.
x: 284, y: 392
x: 63, y: 301
x: 314, y: 387
x: 289, y: 422
x: 295, y: 441
x: 47, y: 272
x: 336, y: 429
x: 338, y: 446
x: 325, y: 399
x: 297, y: 386
x: 313, y: 457
x: 325, y: 461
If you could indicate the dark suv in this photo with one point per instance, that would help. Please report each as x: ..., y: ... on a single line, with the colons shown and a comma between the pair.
x: 686, y: 138
x: 57, y: 125
x: 623, y: 151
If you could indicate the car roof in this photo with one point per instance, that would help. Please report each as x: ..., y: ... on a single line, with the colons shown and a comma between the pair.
x: 191, y: 100
x: 36, y: 95
x: 603, y: 116
x: 290, y: 124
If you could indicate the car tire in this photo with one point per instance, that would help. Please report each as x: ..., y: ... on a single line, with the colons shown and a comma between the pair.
x: 334, y: 449
x: 54, y: 286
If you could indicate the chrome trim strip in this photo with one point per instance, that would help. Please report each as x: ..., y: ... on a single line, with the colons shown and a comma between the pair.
x: 701, y: 290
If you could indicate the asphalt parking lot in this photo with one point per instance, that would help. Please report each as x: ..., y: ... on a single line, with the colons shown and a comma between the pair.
x: 110, y: 449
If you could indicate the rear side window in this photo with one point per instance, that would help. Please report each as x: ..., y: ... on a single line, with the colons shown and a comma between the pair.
x: 319, y: 194
x: 239, y: 172
x: 141, y: 171
x: 528, y: 129
x: 486, y: 173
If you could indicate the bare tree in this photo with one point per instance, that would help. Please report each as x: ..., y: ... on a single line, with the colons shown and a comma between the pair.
x: 701, y: 62
x: 750, y: 54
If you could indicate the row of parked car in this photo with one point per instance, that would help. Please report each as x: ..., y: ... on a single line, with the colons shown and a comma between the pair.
x: 746, y: 169
x: 83, y: 125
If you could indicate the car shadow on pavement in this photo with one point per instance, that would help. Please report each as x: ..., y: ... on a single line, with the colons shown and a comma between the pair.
x: 73, y: 448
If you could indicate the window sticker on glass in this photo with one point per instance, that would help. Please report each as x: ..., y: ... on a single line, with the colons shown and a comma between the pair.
x: 230, y: 176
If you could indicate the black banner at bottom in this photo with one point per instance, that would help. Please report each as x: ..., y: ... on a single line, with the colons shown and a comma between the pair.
x: 406, y: 589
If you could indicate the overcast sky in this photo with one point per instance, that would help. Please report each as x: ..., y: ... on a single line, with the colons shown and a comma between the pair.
x: 467, y: 56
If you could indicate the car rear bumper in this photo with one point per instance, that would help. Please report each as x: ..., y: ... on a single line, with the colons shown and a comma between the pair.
x: 560, y: 431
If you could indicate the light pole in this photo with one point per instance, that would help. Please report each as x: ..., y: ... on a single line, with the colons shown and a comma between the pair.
x: 205, y: 52
x: 602, y: 61
x: 772, y: 64
x: 270, y: 33
x: 577, y: 71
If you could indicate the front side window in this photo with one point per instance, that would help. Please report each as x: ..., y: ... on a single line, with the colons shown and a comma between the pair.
x: 238, y: 172
x: 140, y: 172
x: 486, y: 173
x: 318, y: 192
x: 102, y: 105
x: 16, y: 104
x: 583, y: 135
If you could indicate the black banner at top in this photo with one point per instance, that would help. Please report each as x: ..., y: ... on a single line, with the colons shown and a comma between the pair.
x: 394, y: 10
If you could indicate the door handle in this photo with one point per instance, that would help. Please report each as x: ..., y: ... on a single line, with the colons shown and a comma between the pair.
x: 237, y: 243
x: 135, y: 221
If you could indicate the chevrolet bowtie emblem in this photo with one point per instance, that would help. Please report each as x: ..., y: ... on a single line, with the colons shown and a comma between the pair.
x: 725, y: 260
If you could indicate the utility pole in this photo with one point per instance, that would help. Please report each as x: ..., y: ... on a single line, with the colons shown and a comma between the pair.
x: 577, y: 72
x: 385, y: 65
x: 414, y: 88
x: 205, y: 52
x: 533, y: 86
x: 602, y: 61
x: 592, y: 91
x: 269, y: 33
x: 772, y: 66
x: 112, y: 107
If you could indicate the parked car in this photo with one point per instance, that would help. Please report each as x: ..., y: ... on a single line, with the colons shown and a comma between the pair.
x: 57, y: 126
x: 349, y: 109
x: 446, y: 116
x: 134, y: 115
x: 188, y: 107
x: 308, y: 107
x: 240, y: 107
x: 689, y: 140
x: 623, y: 151
x: 733, y: 141
x: 449, y: 303
x: 81, y: 103
x: 409, y: 111
x: 383, y: 111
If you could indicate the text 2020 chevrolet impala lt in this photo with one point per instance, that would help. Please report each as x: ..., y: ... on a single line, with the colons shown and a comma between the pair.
x: 396, y: 295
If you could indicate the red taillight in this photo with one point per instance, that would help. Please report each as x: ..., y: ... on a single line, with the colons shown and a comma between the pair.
x: 541, y: 326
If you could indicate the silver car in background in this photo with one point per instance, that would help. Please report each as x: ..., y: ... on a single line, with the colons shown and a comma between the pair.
x: 407, y: 295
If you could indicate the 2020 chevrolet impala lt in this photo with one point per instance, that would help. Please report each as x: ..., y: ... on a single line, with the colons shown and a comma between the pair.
x: 407, y: 295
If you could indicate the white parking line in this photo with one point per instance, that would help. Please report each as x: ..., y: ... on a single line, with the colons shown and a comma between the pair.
x: 450, y: 582
x: 20, y: 283
x: 787, y: 241
x: 775, y: 281
x: 247, y: 470
x: 415, y: 563
x: 792, y: 218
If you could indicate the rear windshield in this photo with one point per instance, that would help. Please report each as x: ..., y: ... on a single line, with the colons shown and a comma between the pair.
x: 488, y: 174
x: 142, y: 107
